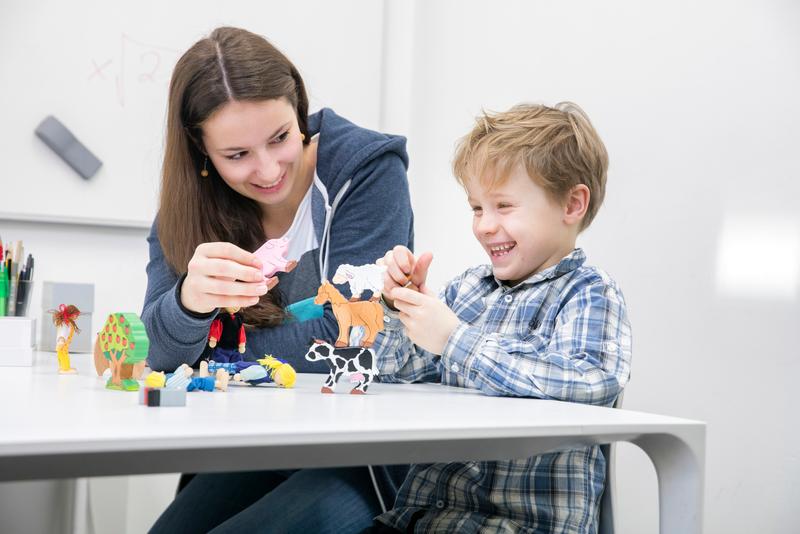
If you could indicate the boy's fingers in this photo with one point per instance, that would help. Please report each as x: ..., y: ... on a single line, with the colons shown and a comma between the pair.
x: 405, y: 295
x: 404, y: 258
x: 420, y: 272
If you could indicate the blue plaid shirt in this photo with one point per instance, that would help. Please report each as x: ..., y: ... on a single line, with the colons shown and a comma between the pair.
x: 561, y: 334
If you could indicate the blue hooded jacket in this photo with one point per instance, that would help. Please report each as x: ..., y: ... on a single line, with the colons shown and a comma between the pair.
x: 360, y: 208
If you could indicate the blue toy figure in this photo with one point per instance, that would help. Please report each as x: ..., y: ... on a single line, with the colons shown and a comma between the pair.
x: 267, y: 369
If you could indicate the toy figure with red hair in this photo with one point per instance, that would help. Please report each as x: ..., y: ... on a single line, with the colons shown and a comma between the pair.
x: 64, y: 318
x: 226, y: 337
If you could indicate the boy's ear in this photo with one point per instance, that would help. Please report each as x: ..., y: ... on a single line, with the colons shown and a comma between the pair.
x: 576, y: 205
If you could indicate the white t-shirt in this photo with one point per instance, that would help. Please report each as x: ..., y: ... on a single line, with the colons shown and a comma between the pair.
x: 301, y: 233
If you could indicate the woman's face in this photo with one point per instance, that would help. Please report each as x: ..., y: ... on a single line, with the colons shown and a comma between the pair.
x: 256, y: 147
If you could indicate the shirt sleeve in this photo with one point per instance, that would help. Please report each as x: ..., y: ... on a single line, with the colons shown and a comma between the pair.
x: 176, y: 336
x: 587, y: 358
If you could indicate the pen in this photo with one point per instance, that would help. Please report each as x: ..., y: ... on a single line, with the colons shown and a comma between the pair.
x: 3, y: 289
x: 12, y: 278
x: 23, y: 288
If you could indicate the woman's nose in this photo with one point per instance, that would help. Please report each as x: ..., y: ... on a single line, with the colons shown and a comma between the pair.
x: 267, y: 167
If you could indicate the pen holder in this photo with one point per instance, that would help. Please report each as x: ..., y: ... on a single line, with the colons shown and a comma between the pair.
x: 17, y: 338
x: 24, y: 288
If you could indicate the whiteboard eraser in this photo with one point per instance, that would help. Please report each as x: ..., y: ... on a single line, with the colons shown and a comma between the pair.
x: 66, y: 145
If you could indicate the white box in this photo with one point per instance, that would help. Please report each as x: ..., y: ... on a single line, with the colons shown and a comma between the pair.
x: 17, y: 338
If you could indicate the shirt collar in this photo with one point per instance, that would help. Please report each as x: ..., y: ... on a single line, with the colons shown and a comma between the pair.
x: 568, y: 263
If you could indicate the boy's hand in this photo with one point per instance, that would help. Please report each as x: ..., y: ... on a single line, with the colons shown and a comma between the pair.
x: 402, y: 270
x: 428, y: 320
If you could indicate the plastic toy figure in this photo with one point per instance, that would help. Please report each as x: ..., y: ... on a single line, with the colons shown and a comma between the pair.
x: 273, y: 256
x: 227, y: 336
x: 64, y: 318
x: 267, y: 369
x: 361, y: 278
x: 358, y: 362
x: 348, y: 314
x: 124, y: 344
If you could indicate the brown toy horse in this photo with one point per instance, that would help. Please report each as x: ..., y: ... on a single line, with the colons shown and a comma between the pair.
x: 349, y: 314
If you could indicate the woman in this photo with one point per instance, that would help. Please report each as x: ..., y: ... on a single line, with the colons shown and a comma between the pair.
x: 243, y: 163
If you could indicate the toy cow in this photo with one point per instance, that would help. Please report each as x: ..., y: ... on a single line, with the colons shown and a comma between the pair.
x: 361, y: 278
x: 273, y: 257
x: 358, y: 362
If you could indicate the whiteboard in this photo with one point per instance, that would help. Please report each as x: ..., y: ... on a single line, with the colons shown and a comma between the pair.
x: 103, y: 69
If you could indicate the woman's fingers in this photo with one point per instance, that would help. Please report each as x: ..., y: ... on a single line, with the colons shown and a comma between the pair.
x: 225, y: 268
x: 217, y: 286
x: 228, y: 251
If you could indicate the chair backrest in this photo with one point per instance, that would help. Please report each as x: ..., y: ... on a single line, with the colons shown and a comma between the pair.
x: 607, y: 524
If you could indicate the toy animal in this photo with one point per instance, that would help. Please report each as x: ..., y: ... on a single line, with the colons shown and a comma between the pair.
x: 273, y: 257
x: 348, y: 314
x: 361, y: 278
x: 355, y: 361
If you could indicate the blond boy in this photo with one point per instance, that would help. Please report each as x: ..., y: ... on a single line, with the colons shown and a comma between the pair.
x: 537, y: 322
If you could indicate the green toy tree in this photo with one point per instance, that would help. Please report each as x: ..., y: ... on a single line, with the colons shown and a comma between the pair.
x: 123, y: 341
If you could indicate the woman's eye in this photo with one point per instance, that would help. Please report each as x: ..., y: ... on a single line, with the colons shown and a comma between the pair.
x: 476, y: 209
x: 281, y: 138
x: 503, y: 206
x: 237, y: 156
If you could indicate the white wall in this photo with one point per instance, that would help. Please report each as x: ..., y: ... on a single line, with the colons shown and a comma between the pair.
x: 697, y: 105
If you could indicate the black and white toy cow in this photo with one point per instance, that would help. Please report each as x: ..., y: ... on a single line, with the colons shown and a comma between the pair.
x: 358, y: 362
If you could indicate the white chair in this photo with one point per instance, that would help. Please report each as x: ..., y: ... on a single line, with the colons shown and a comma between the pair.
x: 607, y: 524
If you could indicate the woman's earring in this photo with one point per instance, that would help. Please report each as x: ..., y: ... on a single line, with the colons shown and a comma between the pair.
x: 204, y: 172
x: 302, y: 137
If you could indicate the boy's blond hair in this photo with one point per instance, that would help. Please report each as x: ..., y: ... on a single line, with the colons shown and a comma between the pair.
x: 558, y: 146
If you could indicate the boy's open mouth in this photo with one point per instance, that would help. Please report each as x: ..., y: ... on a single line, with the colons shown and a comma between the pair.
x: 501, y: 249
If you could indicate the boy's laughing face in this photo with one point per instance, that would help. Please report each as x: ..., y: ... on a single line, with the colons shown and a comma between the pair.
x: 519, y: 225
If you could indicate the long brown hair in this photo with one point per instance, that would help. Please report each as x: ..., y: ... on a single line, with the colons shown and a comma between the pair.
x: 229, y: 65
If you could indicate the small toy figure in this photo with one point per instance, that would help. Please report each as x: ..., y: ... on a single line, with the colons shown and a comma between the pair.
x: 273, y: 256
x: 64, y: 318
x: 206, y: 382
x: 361, y: 278
x: 227, y: 336
x: 267, y: 369
x: 357, y: 362
x: 368, y: 314
x: 123, y: 343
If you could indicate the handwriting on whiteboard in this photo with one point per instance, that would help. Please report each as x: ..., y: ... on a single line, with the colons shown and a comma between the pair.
x: 137, y: 63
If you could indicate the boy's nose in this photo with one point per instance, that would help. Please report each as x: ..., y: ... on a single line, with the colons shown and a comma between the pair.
x: 487, y: 224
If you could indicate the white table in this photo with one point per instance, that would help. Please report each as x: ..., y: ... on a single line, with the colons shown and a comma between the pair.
x: 62, y: 426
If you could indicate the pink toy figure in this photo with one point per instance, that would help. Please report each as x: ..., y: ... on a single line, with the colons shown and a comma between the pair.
x: 273, y: 255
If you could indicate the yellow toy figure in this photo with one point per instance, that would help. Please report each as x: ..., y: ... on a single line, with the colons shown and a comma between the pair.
x: 64, y: 318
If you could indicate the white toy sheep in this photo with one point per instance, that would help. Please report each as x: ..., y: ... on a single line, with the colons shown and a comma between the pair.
x: 361, y: 278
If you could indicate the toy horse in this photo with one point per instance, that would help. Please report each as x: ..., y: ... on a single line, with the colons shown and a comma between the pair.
x: 348, y: 314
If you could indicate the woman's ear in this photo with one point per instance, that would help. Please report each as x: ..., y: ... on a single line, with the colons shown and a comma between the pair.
x: 577, y: 204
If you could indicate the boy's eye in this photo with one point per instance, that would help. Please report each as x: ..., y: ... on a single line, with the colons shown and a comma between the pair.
x: 281, y: 138
x: 503, y: 205
x: 237, y: 156
x: 476, y: 209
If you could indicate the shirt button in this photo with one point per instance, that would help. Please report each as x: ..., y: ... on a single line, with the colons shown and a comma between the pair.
x: 440, y: 504
x: 508, y: 298
x: 610, y: 346
x: 454, y: 367
x: 386, y: 319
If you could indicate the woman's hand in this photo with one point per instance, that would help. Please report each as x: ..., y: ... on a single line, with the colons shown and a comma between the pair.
x: 222, y: 275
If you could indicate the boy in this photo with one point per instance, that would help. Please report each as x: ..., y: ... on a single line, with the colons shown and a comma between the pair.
x: 536, y: 323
